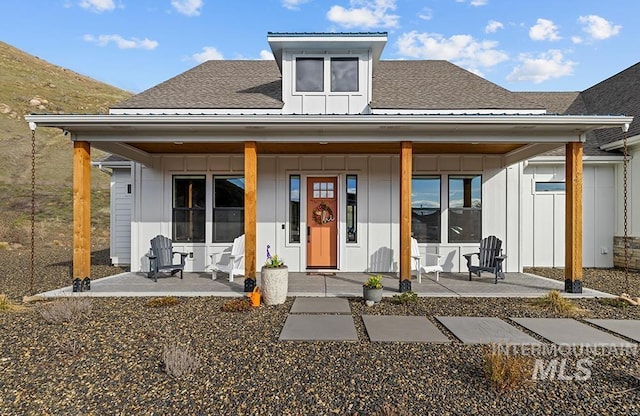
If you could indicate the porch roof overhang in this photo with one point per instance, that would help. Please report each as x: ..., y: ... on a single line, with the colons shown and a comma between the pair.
x: 138, y: 136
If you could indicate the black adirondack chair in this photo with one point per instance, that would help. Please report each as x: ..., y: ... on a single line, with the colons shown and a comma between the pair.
x: 161, y: 257
x: 490, y: 258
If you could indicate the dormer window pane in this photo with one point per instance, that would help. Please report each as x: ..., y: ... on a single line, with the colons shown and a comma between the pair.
x: 309, y: 74
x: 344, y: 74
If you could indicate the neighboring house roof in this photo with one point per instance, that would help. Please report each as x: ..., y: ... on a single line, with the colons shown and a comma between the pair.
x: 396, y: 85
x: 557, y: 102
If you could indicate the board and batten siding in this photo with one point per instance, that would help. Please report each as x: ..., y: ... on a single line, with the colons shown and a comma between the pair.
x: 121, y: 200
x: 543, y: 216
x: 377, y: 246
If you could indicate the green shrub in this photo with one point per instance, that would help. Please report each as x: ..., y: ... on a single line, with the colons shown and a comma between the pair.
x: 405, y: 297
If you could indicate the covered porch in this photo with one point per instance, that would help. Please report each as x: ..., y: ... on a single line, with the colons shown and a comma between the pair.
x: 337, y: 284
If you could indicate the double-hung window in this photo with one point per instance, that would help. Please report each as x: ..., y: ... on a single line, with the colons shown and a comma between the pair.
x: 228, y: 208
x: 425, y: 209
x: 343, y: 71
x: 189, y: 208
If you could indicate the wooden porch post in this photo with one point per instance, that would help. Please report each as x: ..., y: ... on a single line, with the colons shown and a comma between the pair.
x: 81, y: 215
x: 250, y: 205
x: 573, y: 220
x: 406, y: 171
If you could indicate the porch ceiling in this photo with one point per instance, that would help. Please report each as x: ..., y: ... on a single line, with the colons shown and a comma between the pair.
x: 328, y: 148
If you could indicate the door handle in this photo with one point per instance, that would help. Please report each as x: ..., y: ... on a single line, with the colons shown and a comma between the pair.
x: 308, y: 234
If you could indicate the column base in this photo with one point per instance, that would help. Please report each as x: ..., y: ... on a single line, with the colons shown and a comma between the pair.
x: 405, y: 286
x: 573, y: 286
x: 249, y: 284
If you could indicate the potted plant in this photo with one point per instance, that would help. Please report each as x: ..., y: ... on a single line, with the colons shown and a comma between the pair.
x: 274, y: 280
x: 372, y: 289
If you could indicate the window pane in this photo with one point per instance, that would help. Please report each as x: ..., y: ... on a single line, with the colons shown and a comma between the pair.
x: 352, y: 208
x: 465, y: 209
x: 294, y: 209
x: 309, y: 74
x: 228, y: 192
x: 425, y: 209
x: 550, y: 187
x: 189, y: 208
x: 344, y: 74
x: 228, y: 223
x: 228, y: 208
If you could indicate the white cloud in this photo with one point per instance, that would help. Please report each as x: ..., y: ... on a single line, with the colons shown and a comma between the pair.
x: 293, y: 4
x: 365, y: 14
x: 462, y: 50
x: 537, y: 69
x: 122, y: 43
x: 209, y: 53
x: 266, y: 55
x: 598, y: 27
x: 188, y: 7
x: 544, y: 30
x: 479, y: 2
x: 98, y: 6
x: 426, y: 14
x: 493, y: 26
x: 576, y: 39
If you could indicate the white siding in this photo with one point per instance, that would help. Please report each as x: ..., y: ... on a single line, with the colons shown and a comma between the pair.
x: 121, y: 201
x: 543, y: 218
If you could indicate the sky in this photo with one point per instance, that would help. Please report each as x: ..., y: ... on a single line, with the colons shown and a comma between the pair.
x: 521, y: 45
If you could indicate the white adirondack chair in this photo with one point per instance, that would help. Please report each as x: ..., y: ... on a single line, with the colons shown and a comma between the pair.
x: 230, y: 262
x: 417, y: 262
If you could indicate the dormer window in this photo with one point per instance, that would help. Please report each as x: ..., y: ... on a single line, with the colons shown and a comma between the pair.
x: 344, y: 74
x: 310, y: 74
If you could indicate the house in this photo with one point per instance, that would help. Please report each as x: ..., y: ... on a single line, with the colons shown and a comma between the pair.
x: 331, y: 156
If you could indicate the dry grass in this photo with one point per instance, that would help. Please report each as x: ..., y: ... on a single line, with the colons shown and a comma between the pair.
x: 68, y: 310
x: 558, y: 304
x: 236, y: 305
x: 7, y: 305
x: 506, y: 372
x: 178, y: 361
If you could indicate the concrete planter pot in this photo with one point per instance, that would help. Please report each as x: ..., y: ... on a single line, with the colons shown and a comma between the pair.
x: 274, y: 285
x: 372, y: 294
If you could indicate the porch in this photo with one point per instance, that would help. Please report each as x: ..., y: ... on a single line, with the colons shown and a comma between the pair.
x: 132, y: 284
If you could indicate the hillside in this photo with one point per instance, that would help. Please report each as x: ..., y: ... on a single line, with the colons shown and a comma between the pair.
x: 31, y: 85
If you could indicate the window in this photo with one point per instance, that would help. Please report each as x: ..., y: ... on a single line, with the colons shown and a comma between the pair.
x: 550, y: 187
x: 294, y: 208
x: 310, y: 74
x: 344, y: 74
x: 352, y: 209
x: 228, y: 208
x: 465, y: 209
x: 189, y: 208
x: 425, y: 209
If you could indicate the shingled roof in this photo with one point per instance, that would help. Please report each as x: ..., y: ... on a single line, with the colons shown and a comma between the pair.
x: 425, y: 85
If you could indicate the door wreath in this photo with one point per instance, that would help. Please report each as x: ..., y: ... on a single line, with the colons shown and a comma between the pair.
x: 323, y: 214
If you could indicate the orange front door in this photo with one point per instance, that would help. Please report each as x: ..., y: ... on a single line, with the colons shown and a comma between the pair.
x: 322, y: 223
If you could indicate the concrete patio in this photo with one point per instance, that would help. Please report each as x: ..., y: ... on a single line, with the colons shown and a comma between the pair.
x: 323, y: 285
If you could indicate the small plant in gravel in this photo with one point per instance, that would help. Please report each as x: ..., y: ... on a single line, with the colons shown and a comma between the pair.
x: 558, y: 304
x: 506, y: 372
x: 615, y: 302
x: 236, y: 305
x: 178, y: 361
x: 388, y: 410
x: 162, y: 302
x: 69, y: 310
x: 8, y: 305
x: 69, y: 346
x: 405, y: 298
x: 374, y: 282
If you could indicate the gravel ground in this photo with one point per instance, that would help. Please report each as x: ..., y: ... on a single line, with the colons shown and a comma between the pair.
x: 109, y: 361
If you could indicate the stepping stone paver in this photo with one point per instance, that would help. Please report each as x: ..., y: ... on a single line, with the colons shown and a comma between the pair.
x: 320, y: 305
x: 392, y: 328
x: 568, y: 331
x: 319, y: 328
x: 481, y: 330
x: 629, y: 328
